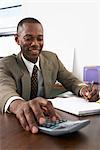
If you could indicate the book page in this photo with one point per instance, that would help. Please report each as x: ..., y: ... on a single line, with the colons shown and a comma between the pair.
x: 76, y: 105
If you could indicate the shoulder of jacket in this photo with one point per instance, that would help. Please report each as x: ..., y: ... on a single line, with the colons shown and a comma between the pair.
x: 48, y: 53
x: 8, y: 59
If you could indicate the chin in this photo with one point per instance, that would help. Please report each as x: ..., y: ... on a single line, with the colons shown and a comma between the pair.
x: 34, y: 58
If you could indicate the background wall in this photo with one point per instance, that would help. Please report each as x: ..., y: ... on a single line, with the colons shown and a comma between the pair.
x: 69, y: 25
x: 71, y: 29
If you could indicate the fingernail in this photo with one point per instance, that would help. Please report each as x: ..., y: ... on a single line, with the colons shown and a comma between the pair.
x: 87, y: 93
x: 34, y: 129
x: 27, y: 128
x: 89, y: 96
x: 54, y: 118
x: 42, y: 120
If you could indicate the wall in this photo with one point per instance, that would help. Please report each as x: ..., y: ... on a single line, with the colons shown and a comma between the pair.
x: 70, y: 29
x: 98, y: 9
x: 68, y: 25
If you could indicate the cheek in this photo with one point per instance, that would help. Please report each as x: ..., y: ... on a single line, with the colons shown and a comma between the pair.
x: 41, y: 44
x: 25, y: 46
x: 24, y: 49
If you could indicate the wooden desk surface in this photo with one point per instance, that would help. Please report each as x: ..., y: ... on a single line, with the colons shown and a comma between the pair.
x: 13, y: 137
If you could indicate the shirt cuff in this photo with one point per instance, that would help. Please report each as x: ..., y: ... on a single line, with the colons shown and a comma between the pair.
x: 10, y: 100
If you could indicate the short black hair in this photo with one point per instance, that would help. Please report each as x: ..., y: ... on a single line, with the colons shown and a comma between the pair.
x: 27, y: 20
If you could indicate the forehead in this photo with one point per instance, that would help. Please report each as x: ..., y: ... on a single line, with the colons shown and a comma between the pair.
x: 31, y: 28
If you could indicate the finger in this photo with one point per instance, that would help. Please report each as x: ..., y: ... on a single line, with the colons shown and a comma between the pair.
x: 91, y: 95
x: 41, y: 100
x: 94, y: 97
x: 85, y: 96
x: 93, y: 92
x: 38, y: 112
x: 47, y: 113
x: 59, y: 117
x: 51, y: 111
x: 31, y: 120
x: 85, y: 91
x: 20, y: 116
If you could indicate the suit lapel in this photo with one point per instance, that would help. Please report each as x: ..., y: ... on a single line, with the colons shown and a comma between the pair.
x: 25, y: 79
x: 46, y: 68
x: 46, y: 72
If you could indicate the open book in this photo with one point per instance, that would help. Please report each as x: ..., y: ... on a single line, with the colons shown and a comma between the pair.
x: 76, y: 105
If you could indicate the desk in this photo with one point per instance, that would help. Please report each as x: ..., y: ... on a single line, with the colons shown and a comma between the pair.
x: 13, y: 136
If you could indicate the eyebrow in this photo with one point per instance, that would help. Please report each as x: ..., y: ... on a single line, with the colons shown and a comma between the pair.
x: 32, y: 35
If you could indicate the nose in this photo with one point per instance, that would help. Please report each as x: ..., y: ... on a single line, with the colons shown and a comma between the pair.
x: 34, y: 42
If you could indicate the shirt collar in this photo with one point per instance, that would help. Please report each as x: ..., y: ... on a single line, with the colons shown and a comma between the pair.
x: 29, y: 64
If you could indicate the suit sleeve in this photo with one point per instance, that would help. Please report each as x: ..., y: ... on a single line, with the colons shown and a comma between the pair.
x: 7, y: 84
x: 68, y: 80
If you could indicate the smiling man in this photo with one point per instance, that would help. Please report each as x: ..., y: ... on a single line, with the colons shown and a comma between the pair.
x: 24, y: 92
x: 30, y: 39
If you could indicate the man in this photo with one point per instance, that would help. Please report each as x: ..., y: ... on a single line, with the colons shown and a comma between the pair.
x: 16, y: 75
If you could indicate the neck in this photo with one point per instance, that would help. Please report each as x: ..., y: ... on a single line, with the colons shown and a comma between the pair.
x: 33, y: 60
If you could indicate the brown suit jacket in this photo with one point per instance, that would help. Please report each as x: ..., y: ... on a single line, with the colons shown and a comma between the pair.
x: 15, y: 79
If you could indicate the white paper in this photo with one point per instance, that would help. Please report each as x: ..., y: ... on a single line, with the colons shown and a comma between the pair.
x: 76, y: 105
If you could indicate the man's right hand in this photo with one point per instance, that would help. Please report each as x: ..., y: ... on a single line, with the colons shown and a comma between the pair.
x: 33, y: 111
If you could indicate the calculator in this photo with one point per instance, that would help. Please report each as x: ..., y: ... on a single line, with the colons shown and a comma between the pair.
x: 62, y: 126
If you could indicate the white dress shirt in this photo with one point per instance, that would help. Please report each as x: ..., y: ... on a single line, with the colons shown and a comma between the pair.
x: 29, y: 66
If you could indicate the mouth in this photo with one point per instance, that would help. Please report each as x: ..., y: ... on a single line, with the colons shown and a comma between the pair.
x: 34, y: 51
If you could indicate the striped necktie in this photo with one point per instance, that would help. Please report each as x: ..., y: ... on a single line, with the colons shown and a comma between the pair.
x: 34, y: 83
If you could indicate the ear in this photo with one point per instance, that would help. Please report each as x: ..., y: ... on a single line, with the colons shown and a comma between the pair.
x: 16, y: 39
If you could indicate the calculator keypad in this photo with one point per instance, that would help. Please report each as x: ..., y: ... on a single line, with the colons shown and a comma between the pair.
x: 50, y: 124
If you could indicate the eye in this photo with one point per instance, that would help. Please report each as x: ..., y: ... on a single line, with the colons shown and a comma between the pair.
x: 40, y: 39
x: 28, y: 38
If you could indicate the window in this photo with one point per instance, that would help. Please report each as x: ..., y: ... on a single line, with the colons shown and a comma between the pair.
x: 10, y: 11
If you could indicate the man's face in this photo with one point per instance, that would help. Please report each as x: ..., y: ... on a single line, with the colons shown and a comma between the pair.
x: 30, y: 39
